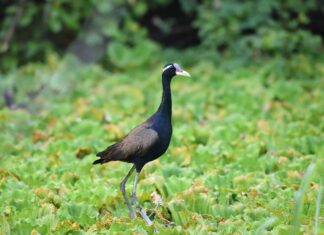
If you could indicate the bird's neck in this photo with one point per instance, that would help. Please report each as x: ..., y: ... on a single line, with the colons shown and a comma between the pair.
x: 165, y: 108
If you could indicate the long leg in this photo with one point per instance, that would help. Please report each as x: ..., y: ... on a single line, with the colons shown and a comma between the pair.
x: 135, y: 201
x: 122, y: 188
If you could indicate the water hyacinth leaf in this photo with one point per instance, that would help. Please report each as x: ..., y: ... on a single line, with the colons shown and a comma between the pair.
x: 201, y: 204
x: 174, y: 184
x: 179, y: 214
x: 81, y: 213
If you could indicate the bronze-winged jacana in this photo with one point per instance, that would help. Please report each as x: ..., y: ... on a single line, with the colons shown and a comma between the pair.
x: 147, y: 141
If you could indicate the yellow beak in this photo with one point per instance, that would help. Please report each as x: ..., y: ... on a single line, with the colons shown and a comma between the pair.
x: 183, y: 73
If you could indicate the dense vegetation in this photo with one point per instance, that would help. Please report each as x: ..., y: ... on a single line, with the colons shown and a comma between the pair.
x: 230, y: 29
x: 242, y: 141
x: 247, y: 154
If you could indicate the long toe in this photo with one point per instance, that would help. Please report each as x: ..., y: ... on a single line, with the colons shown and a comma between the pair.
x: 145, y: 217
x: 170, y: 224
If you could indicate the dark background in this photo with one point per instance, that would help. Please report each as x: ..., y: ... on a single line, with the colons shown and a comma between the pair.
x: 243, y: 30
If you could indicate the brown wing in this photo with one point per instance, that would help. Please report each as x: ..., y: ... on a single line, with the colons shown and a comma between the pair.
x: 137, y: 143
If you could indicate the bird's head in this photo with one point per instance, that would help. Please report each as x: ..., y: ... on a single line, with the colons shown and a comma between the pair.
x: 173, y: 69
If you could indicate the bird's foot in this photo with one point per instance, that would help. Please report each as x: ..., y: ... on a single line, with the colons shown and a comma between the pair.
x: 155, y: 212
x: 150, y: 215
x: 140, y: 210
x: 170, y: 224
x: 145, y: 217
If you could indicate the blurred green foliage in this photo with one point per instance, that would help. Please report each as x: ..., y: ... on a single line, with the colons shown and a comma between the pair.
x: 226, y: 29
x: 253, y: 28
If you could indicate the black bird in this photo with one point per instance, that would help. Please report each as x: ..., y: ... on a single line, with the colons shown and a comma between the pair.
x: 147, y: 141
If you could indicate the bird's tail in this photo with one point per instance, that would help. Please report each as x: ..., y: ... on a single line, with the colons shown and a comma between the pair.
x: 102, y: 159
x: 107, y: 155
x: 99, y: 161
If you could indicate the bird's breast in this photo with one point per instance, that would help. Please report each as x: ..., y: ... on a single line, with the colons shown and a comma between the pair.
x: 162, y: 124
x: 164, y: 130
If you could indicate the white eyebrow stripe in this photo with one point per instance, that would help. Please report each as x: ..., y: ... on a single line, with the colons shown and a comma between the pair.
x: 167, y: 67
